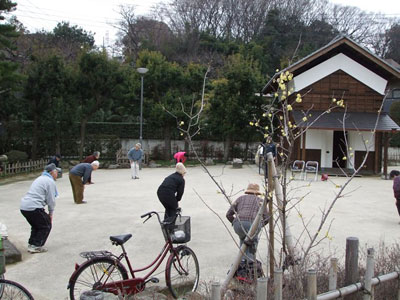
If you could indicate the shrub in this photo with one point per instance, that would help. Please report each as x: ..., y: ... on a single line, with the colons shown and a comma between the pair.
x: 15, y: 156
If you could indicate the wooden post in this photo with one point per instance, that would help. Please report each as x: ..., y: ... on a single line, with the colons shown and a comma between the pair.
x: 333, y: 274
x: 262, y: 288
x: 271, y: 222
x: 385, y: 154
x: 303, y: 146
x: 215, y: 291
x: 351, y: 264
x: 369, y: 273
x: 311, y: 285
x: 278, y: 284
x: 377, y: 152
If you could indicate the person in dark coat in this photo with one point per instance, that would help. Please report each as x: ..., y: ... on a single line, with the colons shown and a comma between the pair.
x: 268, y: 147
x: 55, y: 160
x: 395, y: 175
x: 91, y: 158
x: 171, y: 190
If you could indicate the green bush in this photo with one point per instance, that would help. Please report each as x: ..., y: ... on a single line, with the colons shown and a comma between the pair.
x: 395, y: 140
x: 15, y: 156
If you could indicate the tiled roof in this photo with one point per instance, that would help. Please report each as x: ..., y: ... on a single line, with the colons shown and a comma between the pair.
x: 353, y: 121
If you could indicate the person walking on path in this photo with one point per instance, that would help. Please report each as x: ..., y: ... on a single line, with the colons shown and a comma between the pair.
x: 135, y: 158
x: 396, y: 188
x: 242, y: 214
x: 91, y: 158
x: 79, y: 176
x: 180, y: 157
x: 171, y: 190
x: 42, y: 192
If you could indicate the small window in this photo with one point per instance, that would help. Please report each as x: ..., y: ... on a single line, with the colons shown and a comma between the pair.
x: 396, y: 94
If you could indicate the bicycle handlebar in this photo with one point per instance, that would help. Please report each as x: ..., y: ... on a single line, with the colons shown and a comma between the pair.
x: 151, y: 213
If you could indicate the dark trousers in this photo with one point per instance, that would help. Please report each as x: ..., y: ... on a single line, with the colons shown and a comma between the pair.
x: 40, y: 226
x: 168, y: 200
x: 398, y: 205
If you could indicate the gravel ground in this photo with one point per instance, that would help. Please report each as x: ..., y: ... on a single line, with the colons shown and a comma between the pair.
x: 115, y: 203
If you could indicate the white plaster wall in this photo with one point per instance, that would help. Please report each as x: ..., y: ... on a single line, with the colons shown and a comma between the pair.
x: 179, y: 145
x: 321, y: 139
x: 341, y: 62
x: 355, y: 140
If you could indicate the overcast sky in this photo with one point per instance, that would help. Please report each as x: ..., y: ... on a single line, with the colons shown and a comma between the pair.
x: 98, y: 16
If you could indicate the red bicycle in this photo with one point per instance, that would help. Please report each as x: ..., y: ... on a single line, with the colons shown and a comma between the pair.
x: 104, y: 271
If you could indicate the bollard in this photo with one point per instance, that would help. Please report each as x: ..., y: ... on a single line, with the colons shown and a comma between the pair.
x: 311, y: 285
x: 351, y: 264
x: 333, y: 274
x: 369, y: 289
x: 278, y: 284
x: 92, y: 295
x: 2, y: 258
x: 262, y: 288
x: 215, y: 291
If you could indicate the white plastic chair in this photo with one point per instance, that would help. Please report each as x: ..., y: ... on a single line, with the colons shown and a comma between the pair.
x: 298, y: 167
x: 311, y: 167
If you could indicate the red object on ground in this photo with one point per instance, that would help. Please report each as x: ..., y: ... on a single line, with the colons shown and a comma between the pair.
x: 324, y: 177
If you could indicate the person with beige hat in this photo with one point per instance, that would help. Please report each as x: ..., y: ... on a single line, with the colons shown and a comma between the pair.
x: 171, y: 190
x: 242, y: 214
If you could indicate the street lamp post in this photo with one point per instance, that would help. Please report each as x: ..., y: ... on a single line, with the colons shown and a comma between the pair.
x: 141, y: 71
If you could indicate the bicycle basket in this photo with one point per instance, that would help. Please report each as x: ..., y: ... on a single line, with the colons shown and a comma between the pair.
x: 181, y: 232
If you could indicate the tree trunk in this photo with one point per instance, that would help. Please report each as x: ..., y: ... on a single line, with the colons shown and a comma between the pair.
x: 83, y: 134
x: 246, y: 151
x: 35, y: 135
x: 186, y: 146
x: 58, y: 141
x: 227, y: 147
x: 167, y: 143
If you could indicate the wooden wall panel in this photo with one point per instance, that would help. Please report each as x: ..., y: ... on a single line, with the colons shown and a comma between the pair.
x: 357, y: 96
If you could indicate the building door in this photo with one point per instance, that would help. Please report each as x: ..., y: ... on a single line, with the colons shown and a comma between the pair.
x: 339, y: 149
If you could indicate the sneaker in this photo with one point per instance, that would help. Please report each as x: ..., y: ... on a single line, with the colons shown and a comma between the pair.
x: 136, y: 177
x: 36, y: 249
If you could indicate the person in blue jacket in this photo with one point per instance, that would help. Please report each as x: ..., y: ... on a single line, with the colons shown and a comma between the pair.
x: 135, y: 158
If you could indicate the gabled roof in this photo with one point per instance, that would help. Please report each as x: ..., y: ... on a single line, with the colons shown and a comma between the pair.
x: 345, y: 45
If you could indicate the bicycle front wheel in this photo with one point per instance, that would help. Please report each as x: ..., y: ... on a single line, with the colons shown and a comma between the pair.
x: 92, y: 274
x: 10, y: 290
x: 182, y: 272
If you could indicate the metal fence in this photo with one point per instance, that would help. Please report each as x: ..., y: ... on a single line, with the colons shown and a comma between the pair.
x: 394, y: 155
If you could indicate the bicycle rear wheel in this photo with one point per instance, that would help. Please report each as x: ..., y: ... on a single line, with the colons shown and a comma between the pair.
x: 182, y: 272
x: 92, y: 274
x: 10, y: 290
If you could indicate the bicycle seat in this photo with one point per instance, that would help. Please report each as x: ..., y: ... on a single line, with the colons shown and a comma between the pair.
x: 120, y: 239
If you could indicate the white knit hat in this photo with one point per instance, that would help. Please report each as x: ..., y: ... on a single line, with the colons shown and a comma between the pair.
x: 180, y: 168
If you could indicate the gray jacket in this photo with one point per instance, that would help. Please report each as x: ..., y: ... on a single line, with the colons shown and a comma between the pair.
x: 135, y: 155
x: 42, y: 192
